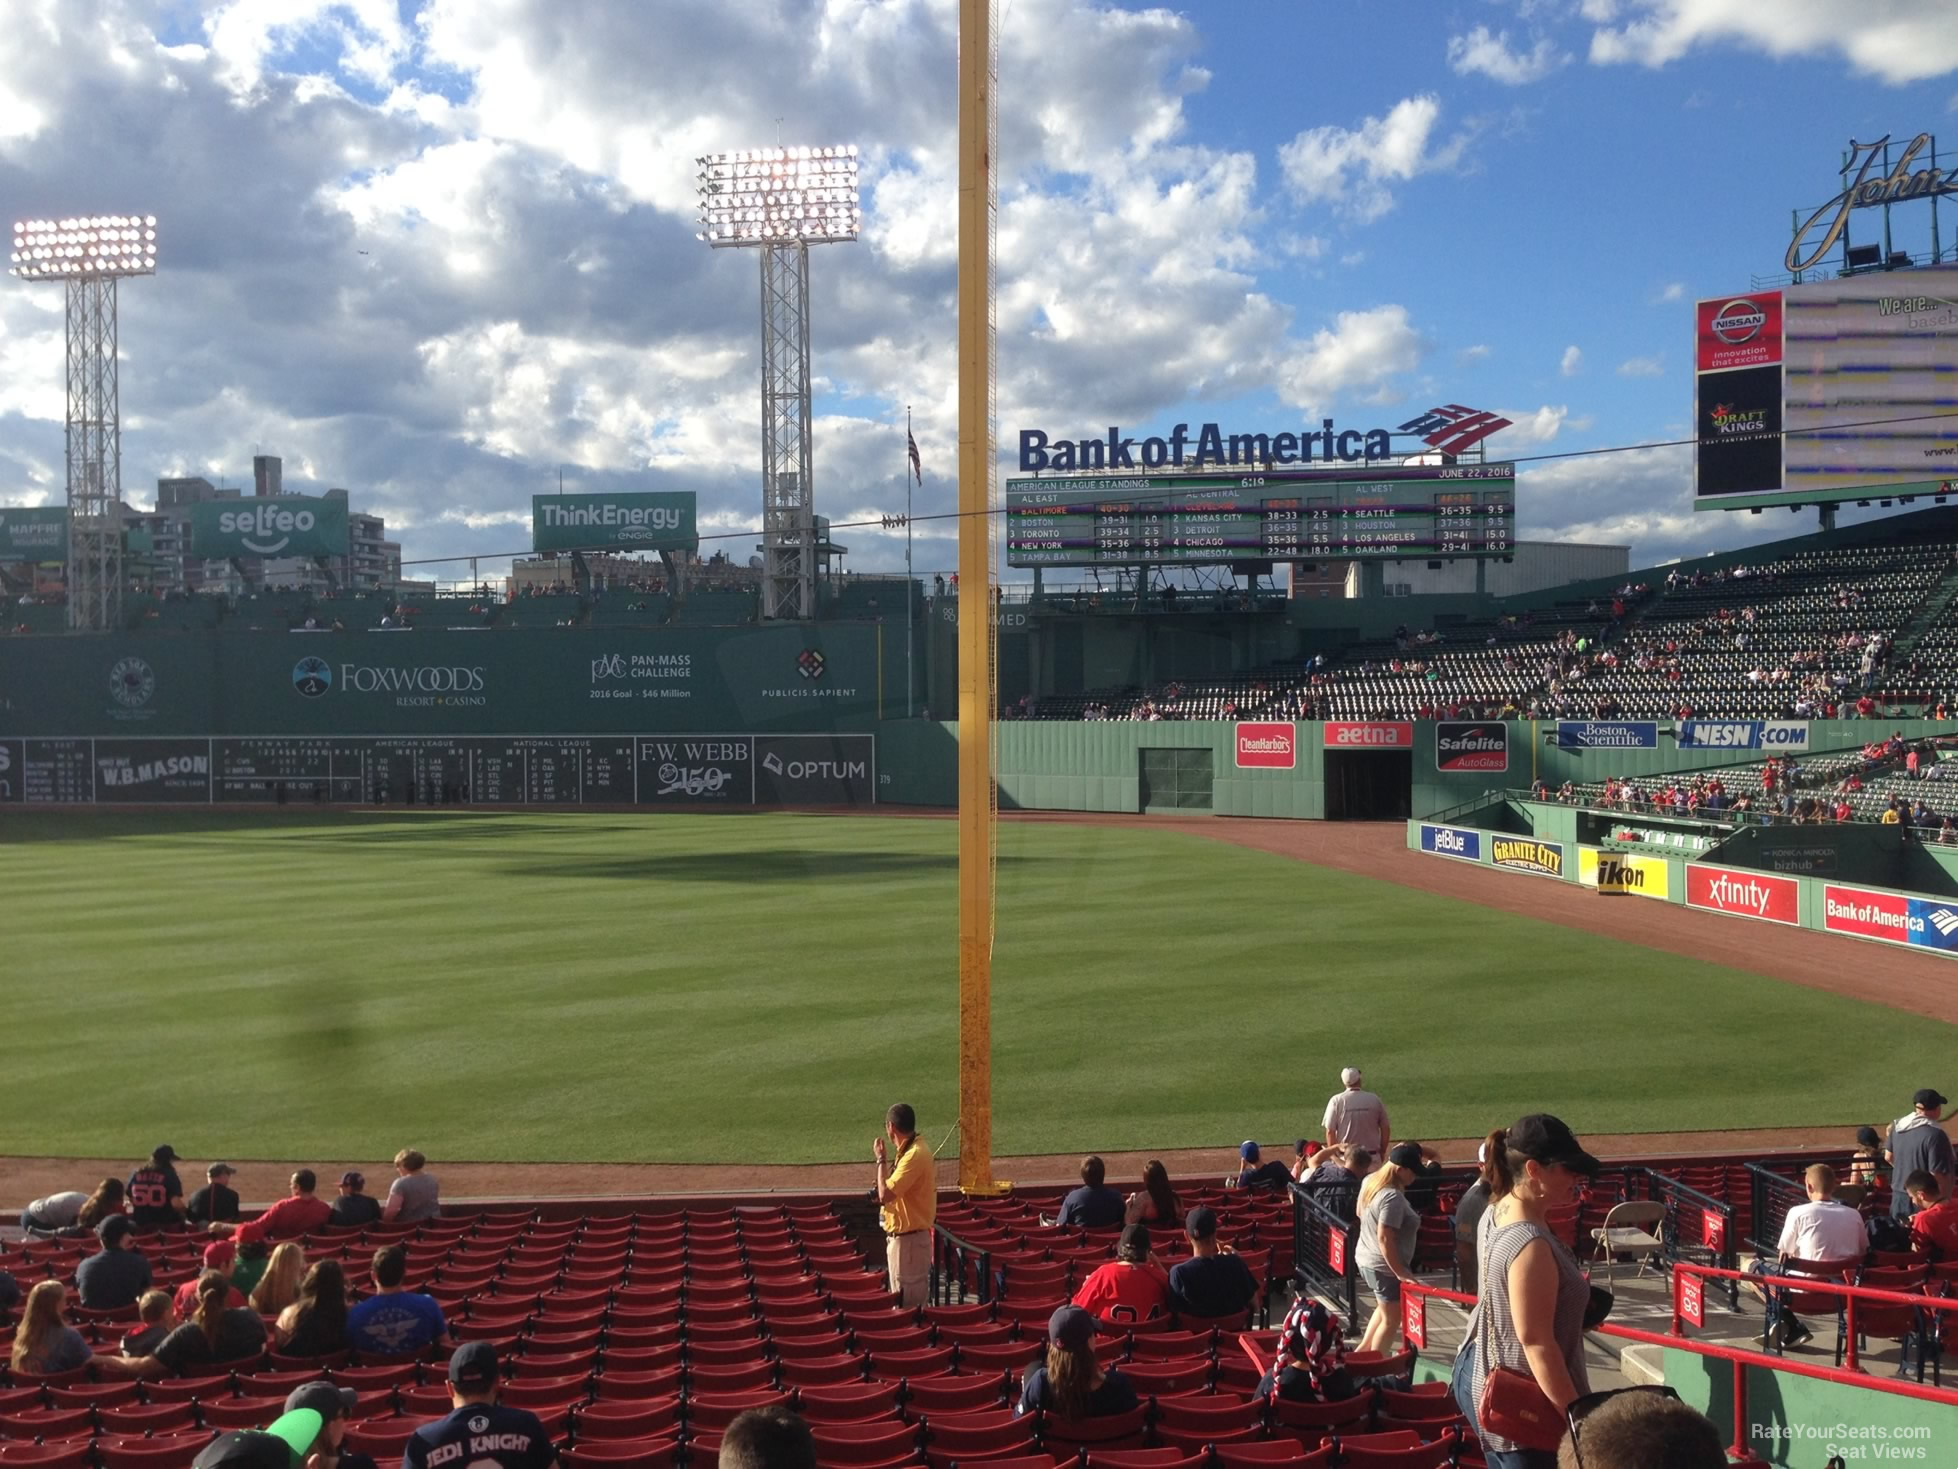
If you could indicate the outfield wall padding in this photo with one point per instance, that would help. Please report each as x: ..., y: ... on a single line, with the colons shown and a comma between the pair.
x: 805, y: 679
x: 1856, y: 895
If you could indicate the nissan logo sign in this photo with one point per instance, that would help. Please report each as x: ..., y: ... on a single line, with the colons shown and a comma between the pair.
x: 1739, y: 321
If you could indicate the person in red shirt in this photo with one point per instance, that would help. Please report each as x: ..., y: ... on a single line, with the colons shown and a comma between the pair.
x: 1130, y: 1287
x: 1934, y: 1227
x: 298, y: 1214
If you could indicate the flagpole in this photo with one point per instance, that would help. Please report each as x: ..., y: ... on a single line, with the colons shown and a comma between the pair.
x: 910, y: 608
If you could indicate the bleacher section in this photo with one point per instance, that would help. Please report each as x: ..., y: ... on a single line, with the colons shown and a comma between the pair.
x: 1775, y: 635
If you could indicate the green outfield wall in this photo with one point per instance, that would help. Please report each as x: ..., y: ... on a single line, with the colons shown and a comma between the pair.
x: 818, y: 678
x: 1805, y: 1421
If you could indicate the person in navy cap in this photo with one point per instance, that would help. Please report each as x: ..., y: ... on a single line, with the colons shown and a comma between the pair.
x: 1254, y: 1172
x: 481, y: 1430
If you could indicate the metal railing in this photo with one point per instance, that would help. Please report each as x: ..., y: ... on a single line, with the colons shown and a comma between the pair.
x: 1692, y: 1213
x: 1687, y: 1278
x: 1323, y: 1242
x: 953, y: 1262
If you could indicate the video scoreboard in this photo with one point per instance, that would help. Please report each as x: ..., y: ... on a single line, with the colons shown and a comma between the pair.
x: 1284, y: 515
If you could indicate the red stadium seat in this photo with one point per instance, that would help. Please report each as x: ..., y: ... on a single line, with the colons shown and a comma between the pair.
x: 621, y: 1453
x: 383, y: 1438
x: 73, y: 1455
x: 646, y: 1418
x: 1394, y: 1451
x: 714, y: 1411
x: 172, y: 1452
x: 931, y: 1396
x: 852, y: 1402
x: 967, y: 1436
x: 1170, y: 1458
x: 1111, y: 1431
x: 223, y: 1414
x: 146, y: 1418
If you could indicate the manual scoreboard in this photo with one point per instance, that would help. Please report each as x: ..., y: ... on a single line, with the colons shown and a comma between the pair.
x: 1379, y: 514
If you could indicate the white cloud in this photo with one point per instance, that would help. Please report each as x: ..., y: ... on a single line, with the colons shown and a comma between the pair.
x: 1672, y: 291
x: 1488, y: 53
x: 1352, y: 168
x: 1360, y: 353
x: 1896, y: 41
x: 370, y: 35
x: 1475, y: 353
x: 1572, y: 363
x: 1641, y: 367
x: 1539, y: 427
x: 1598, y: 11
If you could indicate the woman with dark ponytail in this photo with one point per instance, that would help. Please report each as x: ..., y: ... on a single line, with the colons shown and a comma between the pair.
x: 213, y: 1333
x: 1533, y: 1296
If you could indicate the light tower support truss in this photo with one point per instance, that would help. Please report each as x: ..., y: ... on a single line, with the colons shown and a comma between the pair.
x: 90, y: 253
x: 788, y: 578
x: 781, y: 201
x: 94, y: 455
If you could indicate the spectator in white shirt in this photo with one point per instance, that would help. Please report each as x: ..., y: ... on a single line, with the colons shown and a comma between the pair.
x: 1356, y: 1118
x: 1818, y: 1232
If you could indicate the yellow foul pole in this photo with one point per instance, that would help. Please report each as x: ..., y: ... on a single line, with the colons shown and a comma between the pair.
x: 978, y: 808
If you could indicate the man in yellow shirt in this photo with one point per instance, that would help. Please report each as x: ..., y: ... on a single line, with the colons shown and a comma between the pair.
x: 908, y: 1191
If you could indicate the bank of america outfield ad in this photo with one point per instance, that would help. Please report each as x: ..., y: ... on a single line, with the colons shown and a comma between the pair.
x: 1926, y: 923
x: 1452, y: 841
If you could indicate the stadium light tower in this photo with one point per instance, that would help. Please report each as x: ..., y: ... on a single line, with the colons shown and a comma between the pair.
x: 91, y: 254
x: 781, y: 201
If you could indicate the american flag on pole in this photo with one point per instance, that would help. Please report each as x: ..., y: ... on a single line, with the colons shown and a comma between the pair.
x: 1452, y: 428
x: 911, y: 448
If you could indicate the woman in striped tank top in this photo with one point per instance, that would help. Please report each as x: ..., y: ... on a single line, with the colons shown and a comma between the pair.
x: 1530, y: 1315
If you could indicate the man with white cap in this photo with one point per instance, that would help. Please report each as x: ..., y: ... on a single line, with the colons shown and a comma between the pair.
x: 1357, y: 1118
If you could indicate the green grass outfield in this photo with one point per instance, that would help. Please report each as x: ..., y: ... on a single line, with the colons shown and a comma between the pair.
x: 758, y: 987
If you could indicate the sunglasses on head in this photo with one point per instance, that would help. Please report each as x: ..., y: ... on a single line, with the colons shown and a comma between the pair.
x: 1585, y: 1406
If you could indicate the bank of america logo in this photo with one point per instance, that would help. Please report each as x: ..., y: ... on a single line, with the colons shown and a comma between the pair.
x: 1452, y: 428
x: 1944, y: 921
x: 809, y: 663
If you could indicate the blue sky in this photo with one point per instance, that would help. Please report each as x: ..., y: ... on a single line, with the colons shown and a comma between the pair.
x: 435, y: 251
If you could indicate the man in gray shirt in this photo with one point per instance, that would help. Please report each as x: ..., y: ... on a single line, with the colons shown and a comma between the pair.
x: 1919, y: 1141
x: 414, y: 1195
x: 1357, y: 1117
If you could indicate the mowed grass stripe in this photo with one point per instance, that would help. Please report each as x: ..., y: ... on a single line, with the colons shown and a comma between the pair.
x: 705, y: 988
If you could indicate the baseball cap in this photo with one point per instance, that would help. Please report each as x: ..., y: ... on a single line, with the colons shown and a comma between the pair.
x: 1350, y: 1076
x: 1928, y: 1097
x: 220, y: 1254
x: 1071, y: 1327
x: 1548, y: 1140
x: 164, y: 1153
x: 473, y: 1365
x: 115, y: 1229
x: 1248, y: 1151
x: 219, y: 1170
x: 1405, y: 1155
x: 1134, y: 1237
x: 284, y: 1445
x: 323, y: 1398
x: 1200, y: 1222
x: 351, y: 1179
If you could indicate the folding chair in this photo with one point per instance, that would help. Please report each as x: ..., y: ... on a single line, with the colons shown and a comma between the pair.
x: 1631, y: 1229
